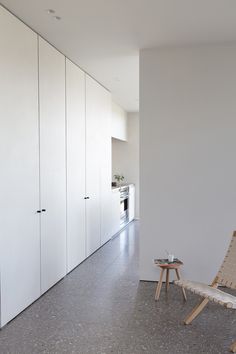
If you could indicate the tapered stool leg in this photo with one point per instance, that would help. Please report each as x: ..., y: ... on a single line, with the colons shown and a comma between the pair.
x: 183, y: 291
x: 159, y: 285
x: 167, y: 279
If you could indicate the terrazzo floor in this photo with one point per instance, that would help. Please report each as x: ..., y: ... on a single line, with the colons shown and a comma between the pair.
x: 102, y: 308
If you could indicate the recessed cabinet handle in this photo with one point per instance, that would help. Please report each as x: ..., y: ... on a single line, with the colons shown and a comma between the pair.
x: 38, y: 211
x: 86, y: 197
x: 43, y: 210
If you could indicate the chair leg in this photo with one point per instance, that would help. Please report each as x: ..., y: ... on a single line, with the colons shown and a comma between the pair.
x: 195, y: 312
x: 159, y: 285
x: 183, y: 290
x: 167, y: 279
x: 233, y: 348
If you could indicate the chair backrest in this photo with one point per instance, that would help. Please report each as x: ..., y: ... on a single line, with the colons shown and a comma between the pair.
x: 227, y: 273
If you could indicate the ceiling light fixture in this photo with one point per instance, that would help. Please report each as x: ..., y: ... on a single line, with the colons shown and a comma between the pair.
x: 50, y: 11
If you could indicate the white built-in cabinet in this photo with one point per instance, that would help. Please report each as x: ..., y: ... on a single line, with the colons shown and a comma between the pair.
x: 75, y: 118
x: 93, y: 128
x: 105, y: 164
x: 52, y: 164
x: 55, y: 153
x: 98, y: 164
x: 88, y: 165
x: 19, y: 156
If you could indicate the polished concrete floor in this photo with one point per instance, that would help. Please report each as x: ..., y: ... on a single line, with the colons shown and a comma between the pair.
x: 102, y: 308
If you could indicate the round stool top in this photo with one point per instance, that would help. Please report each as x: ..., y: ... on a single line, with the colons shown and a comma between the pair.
x: 163, y: 263
x: 170, y: 265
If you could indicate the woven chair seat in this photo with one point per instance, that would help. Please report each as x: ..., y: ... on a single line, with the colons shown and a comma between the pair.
x: 208, y: 292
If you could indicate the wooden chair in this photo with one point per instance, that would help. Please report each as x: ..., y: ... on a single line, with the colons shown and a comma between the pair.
x: 225, y: 277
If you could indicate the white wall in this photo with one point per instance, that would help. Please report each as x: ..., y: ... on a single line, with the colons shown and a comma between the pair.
x: 119, y: 122
x: 188, y: 170
x: 125, y: 156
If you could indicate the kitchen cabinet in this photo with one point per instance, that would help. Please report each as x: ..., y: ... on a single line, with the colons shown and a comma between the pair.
x: 115, y: 211
x: 19, y: 155
x: 131, y: 202
x: 118, y: 123
x: 75, y: 117
x: 115, y: 216
x: 52, y: 164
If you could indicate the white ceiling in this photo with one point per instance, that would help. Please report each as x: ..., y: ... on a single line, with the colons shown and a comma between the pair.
x: 104, y: 36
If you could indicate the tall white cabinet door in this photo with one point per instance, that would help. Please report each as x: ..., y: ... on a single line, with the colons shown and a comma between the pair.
x: 75, y: 117
x: 52, y: 164
x: 93, y: 129
x: 105, y: 164
x: 19, y: 187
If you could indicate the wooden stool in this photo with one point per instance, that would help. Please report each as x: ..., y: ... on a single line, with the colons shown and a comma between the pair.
x: 168, y: 267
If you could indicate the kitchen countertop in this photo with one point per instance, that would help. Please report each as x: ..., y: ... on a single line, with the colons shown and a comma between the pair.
x: 123, y: 185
